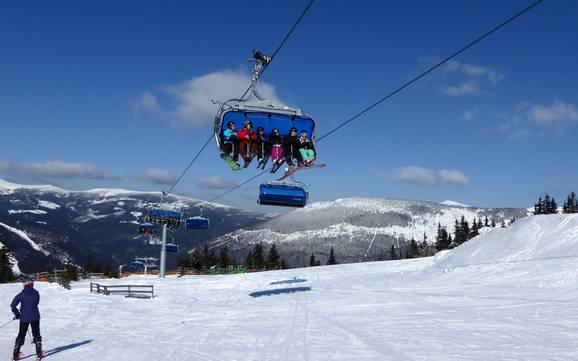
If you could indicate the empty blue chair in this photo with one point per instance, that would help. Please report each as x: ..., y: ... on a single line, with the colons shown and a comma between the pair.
x: 197, y: 223
x: 283, y: 194
x: 172, y: 248
x: 137, y: 265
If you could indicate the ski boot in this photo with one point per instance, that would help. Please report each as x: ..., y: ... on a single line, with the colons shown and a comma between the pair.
x: 17, y: 355
x: 39, y: 352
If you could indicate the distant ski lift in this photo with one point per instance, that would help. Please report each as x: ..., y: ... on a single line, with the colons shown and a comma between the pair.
x: 283, y: 194
x: 136, y: 265
x: 197, y: 223
x: 172, y: 247
x: 162, y: 216
x: 146, y: 229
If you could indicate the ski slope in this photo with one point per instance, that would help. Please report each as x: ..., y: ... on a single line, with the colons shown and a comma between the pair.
x: 509, y: 294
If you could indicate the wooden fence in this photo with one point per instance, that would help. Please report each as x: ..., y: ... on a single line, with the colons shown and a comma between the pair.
x: 134, y: 291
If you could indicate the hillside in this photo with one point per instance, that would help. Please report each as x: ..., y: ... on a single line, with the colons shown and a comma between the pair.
x: 359, y: 229
x: 508, y: 294
x: 44, y: 225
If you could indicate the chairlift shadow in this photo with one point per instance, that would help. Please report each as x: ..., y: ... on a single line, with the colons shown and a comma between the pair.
x: 289, y: 281
x: 279, y: 291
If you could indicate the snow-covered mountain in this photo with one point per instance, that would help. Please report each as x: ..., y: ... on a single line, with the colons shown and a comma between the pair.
x: 45, y: 225
x: 509, y: 294
x: 359, y: 229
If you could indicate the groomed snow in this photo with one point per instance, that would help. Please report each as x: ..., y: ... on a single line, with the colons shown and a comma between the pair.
x: 48, y: 204
x: 32, y: 211
x: 509, y: 294
x: 454, y: 204
x: 25, y: 237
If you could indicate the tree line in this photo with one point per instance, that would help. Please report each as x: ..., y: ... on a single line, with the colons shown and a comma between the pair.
x: 548, y: 205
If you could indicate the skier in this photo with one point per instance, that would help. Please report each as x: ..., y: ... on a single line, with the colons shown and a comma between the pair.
x: 276, y: 149
x: 262, y: 148
x: 306, y: 148
x: 247, y: 146
x: 29, y: 315
x: 292, y: 148
x: 231, y: 142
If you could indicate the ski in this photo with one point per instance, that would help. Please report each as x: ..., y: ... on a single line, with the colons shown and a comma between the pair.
x: 230, y: 162
x: 289, y: 172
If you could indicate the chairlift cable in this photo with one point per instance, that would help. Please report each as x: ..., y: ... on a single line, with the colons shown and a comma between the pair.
x: 279, y: 47
x: 403, y: 86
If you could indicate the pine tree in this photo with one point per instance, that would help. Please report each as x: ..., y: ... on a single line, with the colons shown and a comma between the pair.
x: 331, y: 260
x: 224, y: 259
x: 486, y: 222
x: 442, y: 241
x: 273, y: 258
x: 539, y: 207
x: 312, y: 261
x: 196, y: 260
x: 392, y: 252
x: 413, y: 251
x: 258, y: 258
x: 283, y: 265
x: 5, y: 266
x: 249, y: 261
x: 571, y: 204
x: 209, y: 259
x: 493, y: 223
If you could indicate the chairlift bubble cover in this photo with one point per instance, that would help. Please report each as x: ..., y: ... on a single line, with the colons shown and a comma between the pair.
x: 172, y: 248
x: 162, y: 215
x: 197, y: 223
x: 283, y: 194
x: 267, y: 120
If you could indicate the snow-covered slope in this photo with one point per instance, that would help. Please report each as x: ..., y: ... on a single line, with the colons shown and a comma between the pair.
x: 509, y: 294
x: 357, y: 228
x: 44, y: 226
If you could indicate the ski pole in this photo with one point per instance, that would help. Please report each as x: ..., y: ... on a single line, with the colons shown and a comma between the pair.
x: 7, y: 323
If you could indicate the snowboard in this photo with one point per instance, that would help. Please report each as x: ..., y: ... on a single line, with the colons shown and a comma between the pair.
x: 230, y: 162
x: 299, y: 167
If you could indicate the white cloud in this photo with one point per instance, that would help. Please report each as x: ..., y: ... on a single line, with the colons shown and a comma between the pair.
x: 215, y: 183
x: 470, y: 115
x: 466, y: 88
x: 421, y: 175
x: 476, y: 78
x: 147, y: 103
x: 193, y: 97
x: 414, y: 174
x: 157, y: 176
x: 55, y: 169
x: 452, y: 176
x: 530, y: 119
x: 474, y: 71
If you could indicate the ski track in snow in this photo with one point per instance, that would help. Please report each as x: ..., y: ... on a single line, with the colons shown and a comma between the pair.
x: 509, y: 294
x: 24, y: 236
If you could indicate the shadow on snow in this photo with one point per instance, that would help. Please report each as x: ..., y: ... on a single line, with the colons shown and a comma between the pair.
x: 293, y: 280
x: 279, y: 291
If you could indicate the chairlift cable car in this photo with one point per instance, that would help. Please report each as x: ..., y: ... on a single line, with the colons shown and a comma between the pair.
x: 197, y: 222
x: 260, y: 113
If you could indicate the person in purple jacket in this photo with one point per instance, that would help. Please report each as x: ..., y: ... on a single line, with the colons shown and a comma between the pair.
x: 29, y: 315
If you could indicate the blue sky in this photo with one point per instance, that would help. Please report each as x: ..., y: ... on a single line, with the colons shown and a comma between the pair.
x: 116, y: 94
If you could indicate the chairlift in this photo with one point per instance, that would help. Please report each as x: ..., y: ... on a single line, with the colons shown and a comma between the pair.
x: 162, y: 216
x: 287, y: 194
x: 263, y: 113
x: 147, y: 229
x: 172, y: 247
x: 197, y: 222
